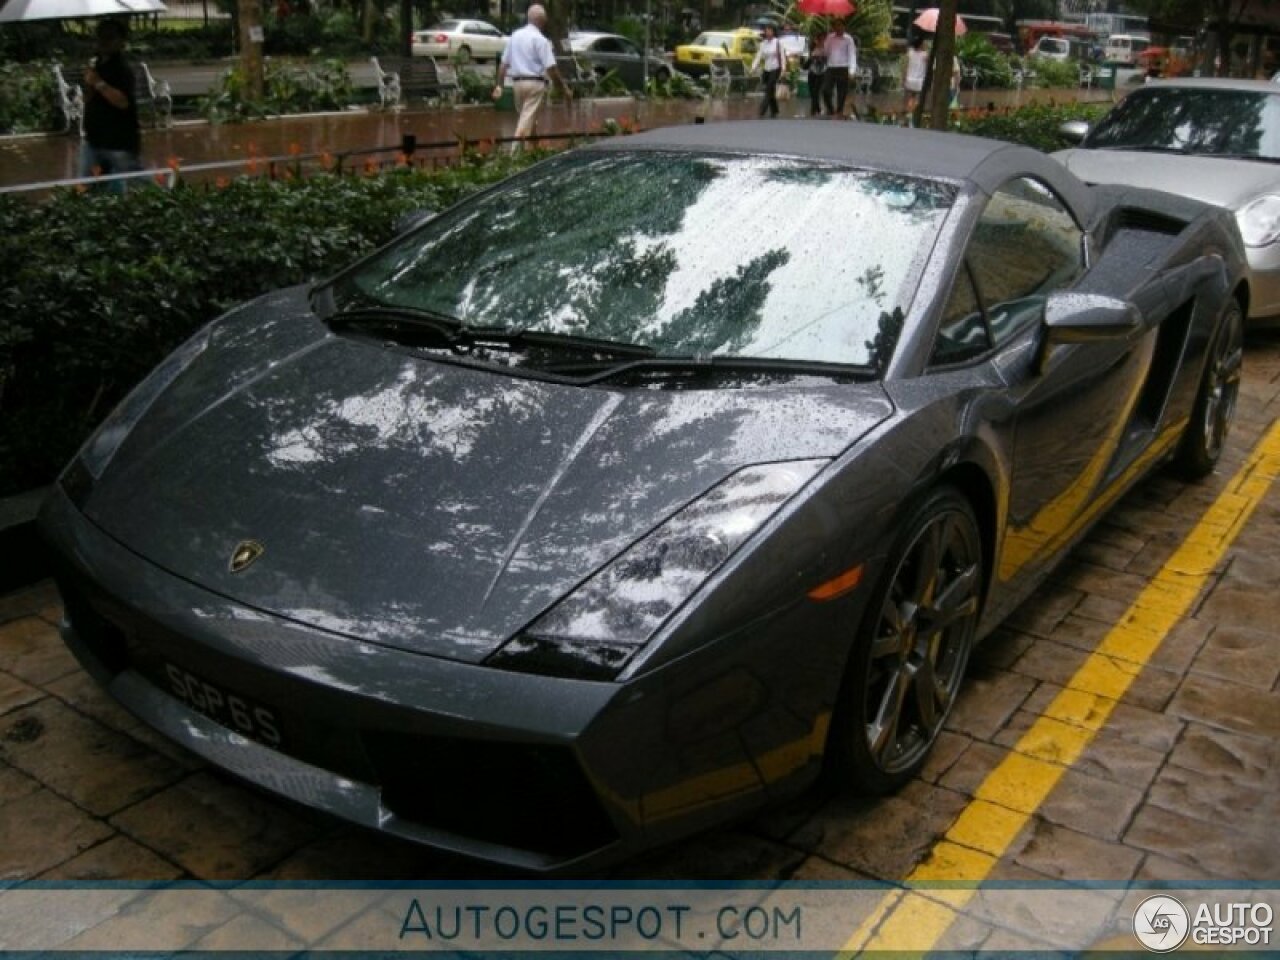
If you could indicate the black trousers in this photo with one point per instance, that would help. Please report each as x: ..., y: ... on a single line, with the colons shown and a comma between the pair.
x: 836, y: 89
x: 770, y: 101
x: 815, y: 93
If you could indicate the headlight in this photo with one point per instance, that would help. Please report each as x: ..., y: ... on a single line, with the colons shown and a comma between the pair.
x: 595, y: 630
x: 1260, y: 221
x: 101, y: 447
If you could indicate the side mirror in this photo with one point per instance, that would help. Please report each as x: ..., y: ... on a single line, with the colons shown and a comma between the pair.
x: 1073, y: 131
x: 1087, y: 318
x: 412, y: 220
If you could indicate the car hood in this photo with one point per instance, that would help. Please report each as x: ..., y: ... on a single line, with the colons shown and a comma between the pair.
x: 420, y: 504
x: 1216, y: 180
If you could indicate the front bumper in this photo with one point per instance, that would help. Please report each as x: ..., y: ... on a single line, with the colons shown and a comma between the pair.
x: 537, y: 773
x: 1264, y: 285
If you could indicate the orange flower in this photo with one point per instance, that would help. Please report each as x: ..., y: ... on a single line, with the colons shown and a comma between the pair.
x: 295, y: 149
x: 402, y: 159
x: 222, y: 183
x: 173, y: 162
x: 326, y: 160
x: 252, y: 164
x: 370, y: 166
x: 162, y: 179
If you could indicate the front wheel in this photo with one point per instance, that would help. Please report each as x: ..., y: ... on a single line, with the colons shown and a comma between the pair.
x: 1215, y: 405
x: 910, y: 654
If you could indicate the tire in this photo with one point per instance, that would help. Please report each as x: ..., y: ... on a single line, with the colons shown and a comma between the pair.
x: 662, y: 75
x: 915, y: 638
x: 1215, y: 406
x: 464, y: 54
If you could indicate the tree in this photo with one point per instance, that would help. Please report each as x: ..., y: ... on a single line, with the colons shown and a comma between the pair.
x: 1224, y: 14
x: 250, y: 23
x: 941, y: 60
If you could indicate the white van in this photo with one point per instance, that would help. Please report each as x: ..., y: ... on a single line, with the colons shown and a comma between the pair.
x: 1052, y: 48
x: 1124, y: 48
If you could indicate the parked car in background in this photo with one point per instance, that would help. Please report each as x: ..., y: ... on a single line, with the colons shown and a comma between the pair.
x: 695, y: 58
x: 1216, y: 140
x: 579, y: 518
x: 1124, y: 48
x: 1052, y: 48
x: 462, y: 40
x: 608, y: 53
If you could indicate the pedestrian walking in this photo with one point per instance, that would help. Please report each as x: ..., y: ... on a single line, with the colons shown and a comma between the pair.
x: 842, y: 63
x: 773, y: 58
x: 914, y: 76
x: 112, y: 137
x: 530, y: 61
x: 816, y: 66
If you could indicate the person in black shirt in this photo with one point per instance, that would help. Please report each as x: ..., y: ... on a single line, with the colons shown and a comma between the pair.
x: 112, y: 137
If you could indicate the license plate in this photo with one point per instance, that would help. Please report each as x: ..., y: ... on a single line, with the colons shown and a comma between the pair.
x: 232, y: 710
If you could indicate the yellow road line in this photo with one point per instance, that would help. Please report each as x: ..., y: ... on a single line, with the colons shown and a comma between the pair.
x: 915, y: 921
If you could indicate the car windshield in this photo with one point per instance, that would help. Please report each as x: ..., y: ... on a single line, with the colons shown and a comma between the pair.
x: 713, y: 39
x: 687, y: 255
x: 447, y: 26
x: 1197, y: 120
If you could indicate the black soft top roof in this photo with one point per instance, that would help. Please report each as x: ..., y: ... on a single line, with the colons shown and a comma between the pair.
x: 924, y: 153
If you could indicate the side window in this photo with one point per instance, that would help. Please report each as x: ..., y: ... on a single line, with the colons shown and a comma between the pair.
x: 1026, y: 246
x: 962, y: 332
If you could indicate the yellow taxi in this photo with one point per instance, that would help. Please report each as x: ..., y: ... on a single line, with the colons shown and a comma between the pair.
x: 695, y: 58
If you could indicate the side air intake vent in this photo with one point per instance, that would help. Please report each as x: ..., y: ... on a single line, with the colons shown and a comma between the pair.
x: 1130, y: 218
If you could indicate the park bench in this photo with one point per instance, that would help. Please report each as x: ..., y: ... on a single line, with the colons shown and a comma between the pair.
x: 388, y: 85
x: 729, y: 75
x: 863, y: 79
x: 417, y: 78
x: 582, y: 80
x: 70, y: 101
x: 156, y: 94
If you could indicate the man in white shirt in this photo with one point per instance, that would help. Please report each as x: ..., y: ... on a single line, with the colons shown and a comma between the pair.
x: 842, y: 63
x: 530, y: 61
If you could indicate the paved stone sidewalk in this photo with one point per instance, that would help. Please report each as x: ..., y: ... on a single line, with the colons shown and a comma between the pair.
x: 1183, y: 782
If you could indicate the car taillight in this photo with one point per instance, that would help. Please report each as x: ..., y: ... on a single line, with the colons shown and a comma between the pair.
x: 442, y: 38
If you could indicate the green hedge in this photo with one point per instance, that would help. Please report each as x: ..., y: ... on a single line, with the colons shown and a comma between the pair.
x: 96, y: 289
x: 1032, y: 126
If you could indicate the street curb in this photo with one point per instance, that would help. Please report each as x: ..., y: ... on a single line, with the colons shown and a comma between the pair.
x: 23, y: 559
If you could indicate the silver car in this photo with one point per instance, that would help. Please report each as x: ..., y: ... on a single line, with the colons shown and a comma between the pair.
x: 1214, y: 140
x: 463, y: 40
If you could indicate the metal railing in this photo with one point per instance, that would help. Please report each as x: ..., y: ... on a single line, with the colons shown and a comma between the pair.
x: 408, y: 153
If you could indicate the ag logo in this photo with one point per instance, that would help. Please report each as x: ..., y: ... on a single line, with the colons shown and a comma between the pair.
x: 1161, y: 923
x: 244, y: 554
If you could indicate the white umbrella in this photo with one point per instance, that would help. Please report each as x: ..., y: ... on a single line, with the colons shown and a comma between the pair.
x: 14, y: 11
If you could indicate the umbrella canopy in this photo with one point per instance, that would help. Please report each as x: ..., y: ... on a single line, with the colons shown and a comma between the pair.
x: 928, y: 21
x: 826, y: 8
x: 17, y: 10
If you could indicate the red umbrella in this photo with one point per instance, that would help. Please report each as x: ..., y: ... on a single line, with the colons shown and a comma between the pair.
x: 826, y: 8
x: 928, y: 21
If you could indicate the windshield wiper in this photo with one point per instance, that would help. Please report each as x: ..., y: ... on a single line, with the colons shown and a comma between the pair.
x: 1246, y: 156
x: 679, y: 365
x: 405, y: 325
x: 401, y: 319
x: 1145, y: 148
